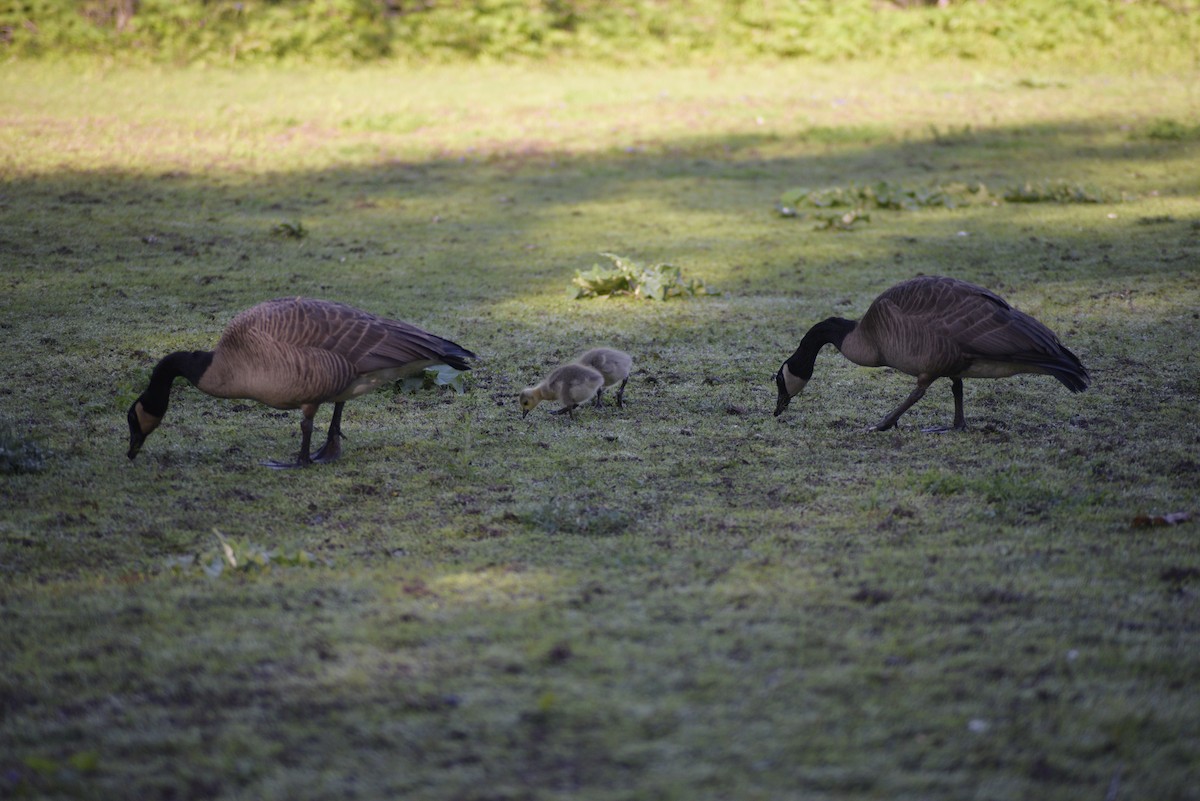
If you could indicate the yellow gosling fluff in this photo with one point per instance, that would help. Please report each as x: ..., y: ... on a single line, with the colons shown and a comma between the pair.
x: 570, y: 385
x: 614, y: 365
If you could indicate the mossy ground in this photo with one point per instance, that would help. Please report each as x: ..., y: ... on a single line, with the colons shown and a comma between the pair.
x: 686, y: 598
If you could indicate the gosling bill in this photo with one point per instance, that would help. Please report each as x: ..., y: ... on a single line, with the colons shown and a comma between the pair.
x: 570, y: 385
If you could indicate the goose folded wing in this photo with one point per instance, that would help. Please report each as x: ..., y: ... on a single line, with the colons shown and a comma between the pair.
x: 1015, y: 337
x: 402, y: 344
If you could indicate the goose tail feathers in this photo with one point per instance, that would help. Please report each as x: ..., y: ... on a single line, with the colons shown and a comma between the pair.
x: 1063, y: 365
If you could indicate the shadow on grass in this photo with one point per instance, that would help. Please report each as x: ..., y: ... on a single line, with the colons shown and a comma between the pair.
x: 482, y: 227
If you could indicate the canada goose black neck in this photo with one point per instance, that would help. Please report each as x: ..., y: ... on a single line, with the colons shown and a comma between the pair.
x: 798, y: 369
x: 188, y: 364
x: 827, y: 332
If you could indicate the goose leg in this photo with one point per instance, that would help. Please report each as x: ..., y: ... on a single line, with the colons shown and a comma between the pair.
x: 960, y: 420
x: 596, y: 401
x: 621, y: 394
x: 917, y: 393
x: 568, y: 410
x: 332, y: 448
x: 309, y: 410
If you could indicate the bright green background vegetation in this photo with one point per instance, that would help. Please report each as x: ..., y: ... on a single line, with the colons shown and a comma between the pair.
x: 1151, y: 33
x: 686, y: 598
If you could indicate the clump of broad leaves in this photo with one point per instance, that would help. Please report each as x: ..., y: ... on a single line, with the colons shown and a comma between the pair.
x: 647, y: 282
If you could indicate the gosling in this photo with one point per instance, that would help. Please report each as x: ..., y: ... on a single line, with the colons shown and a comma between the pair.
x: 570, y: 385
x: 613, y: 365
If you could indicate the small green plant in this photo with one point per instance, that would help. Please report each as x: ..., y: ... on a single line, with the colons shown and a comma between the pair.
x: 1156, y: 219
x: 1058, y: 192
x: 1041, y: 83
x: 879, y: 195
x: 627, y: 277
x: 840, y: 221
x: 290, y: 230
x: 231, y: 555
x: 829, y: 201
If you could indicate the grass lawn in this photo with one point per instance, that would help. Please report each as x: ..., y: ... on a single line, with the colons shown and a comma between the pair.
x: 687, y: 598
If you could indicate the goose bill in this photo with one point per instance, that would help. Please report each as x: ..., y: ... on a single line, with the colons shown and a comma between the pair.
x: 789, y: 386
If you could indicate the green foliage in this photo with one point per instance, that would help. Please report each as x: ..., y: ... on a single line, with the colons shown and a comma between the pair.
x: 359, y: 31
x: 232, y: 556
x: 878, y: 195
x: 290, y: 229
x: 1170, y: 130
x: 840, y: 221
x: 829, y: 202
x: 627, y: 277
x: 1058, y: 192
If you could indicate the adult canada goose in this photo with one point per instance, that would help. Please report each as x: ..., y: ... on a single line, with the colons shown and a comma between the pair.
x: 933, y: 327
x: 613, y: 365
x: 570, y: 385
x: 297, y: 353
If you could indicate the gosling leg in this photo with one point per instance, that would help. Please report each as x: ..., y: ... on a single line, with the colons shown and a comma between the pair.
x: 621, y: 394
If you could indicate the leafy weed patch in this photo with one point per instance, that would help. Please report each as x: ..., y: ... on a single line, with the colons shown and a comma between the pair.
x: 645, y: 282
x: 234, y: 555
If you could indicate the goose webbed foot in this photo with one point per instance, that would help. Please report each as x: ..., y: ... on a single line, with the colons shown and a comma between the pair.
x: 331, y: 450
x: 943, y: 429
x: 302, y: 460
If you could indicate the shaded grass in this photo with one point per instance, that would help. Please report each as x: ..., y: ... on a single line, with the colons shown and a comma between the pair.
x: 683, y: 598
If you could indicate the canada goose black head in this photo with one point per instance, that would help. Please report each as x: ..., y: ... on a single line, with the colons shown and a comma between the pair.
x: 789, y: 386
x: 148, y: 411
x: 141, y: 423
x: 794, y: 373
